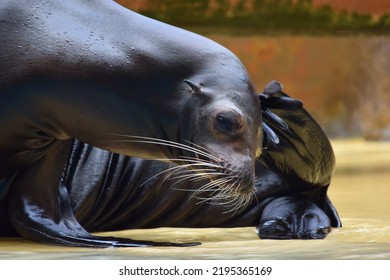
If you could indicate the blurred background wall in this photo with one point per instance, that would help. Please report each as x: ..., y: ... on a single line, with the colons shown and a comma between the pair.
x: 333, y: 55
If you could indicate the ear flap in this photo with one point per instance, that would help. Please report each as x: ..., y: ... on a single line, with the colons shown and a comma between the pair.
x: 196, y: 89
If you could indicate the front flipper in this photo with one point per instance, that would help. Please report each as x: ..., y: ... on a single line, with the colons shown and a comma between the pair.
x: 40, y: 209
x: 293, y: 217
x: 294, y: 142
x: 297, y: 147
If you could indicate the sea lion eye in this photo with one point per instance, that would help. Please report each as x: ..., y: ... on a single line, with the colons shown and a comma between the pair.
x: 223, y: 124
x: 226, y: 123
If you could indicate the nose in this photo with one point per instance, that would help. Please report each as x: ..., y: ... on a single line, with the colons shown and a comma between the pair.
x: 248, y: 183
x: 247, y: 180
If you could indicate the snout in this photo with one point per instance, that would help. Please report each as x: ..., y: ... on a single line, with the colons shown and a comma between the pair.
x: 247, y: 179
x: 233, y: 172
x: 241, y: 174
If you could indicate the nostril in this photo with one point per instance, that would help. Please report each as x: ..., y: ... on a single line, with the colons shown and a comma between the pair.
x: 228, y: 167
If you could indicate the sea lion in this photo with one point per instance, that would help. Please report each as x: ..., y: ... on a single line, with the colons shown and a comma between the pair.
x: 289, y: 202
x: 116, y: 80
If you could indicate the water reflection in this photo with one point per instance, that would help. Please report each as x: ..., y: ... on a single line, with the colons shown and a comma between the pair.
x: 360, y: 191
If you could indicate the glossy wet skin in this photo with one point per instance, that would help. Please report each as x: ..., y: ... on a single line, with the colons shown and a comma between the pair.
x: 128, y: 84
x: 127, y: 192
x: 114, y: 79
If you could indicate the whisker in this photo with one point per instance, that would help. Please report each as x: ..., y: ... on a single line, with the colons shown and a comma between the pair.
x: 157, y: 141
x: 190, y: 159
x: 179, y: 168
x: 211, y: 163
x: 205, y: 149
x: 215, y: 183
x: 206, y: 173
x: 190, y: 177
x: 235, y: 205
x: 174, y: 168
x: 194, y: 190
x: 227, y: 197
x: 182, y: 168
x: 211, y: 185
x: 231, y: 187
x: 160, y: 173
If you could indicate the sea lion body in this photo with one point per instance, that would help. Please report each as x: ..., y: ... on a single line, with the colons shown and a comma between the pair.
x: 97, y: 72
x: 290, y: 199
x: 76, y: 61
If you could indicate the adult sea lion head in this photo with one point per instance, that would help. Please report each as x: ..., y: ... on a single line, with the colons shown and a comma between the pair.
x: 212, y: 125
x: 223, y: 130
x: 215, y: 124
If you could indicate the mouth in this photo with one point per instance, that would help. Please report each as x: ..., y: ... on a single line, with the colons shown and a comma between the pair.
x: 225, y: 193
x: 223, y: 185
x: 238, y: 180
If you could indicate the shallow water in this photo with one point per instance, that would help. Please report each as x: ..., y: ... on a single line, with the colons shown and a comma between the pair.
x: 360, y: 191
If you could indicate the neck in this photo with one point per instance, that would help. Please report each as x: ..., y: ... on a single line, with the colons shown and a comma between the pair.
x: 51, y: 110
